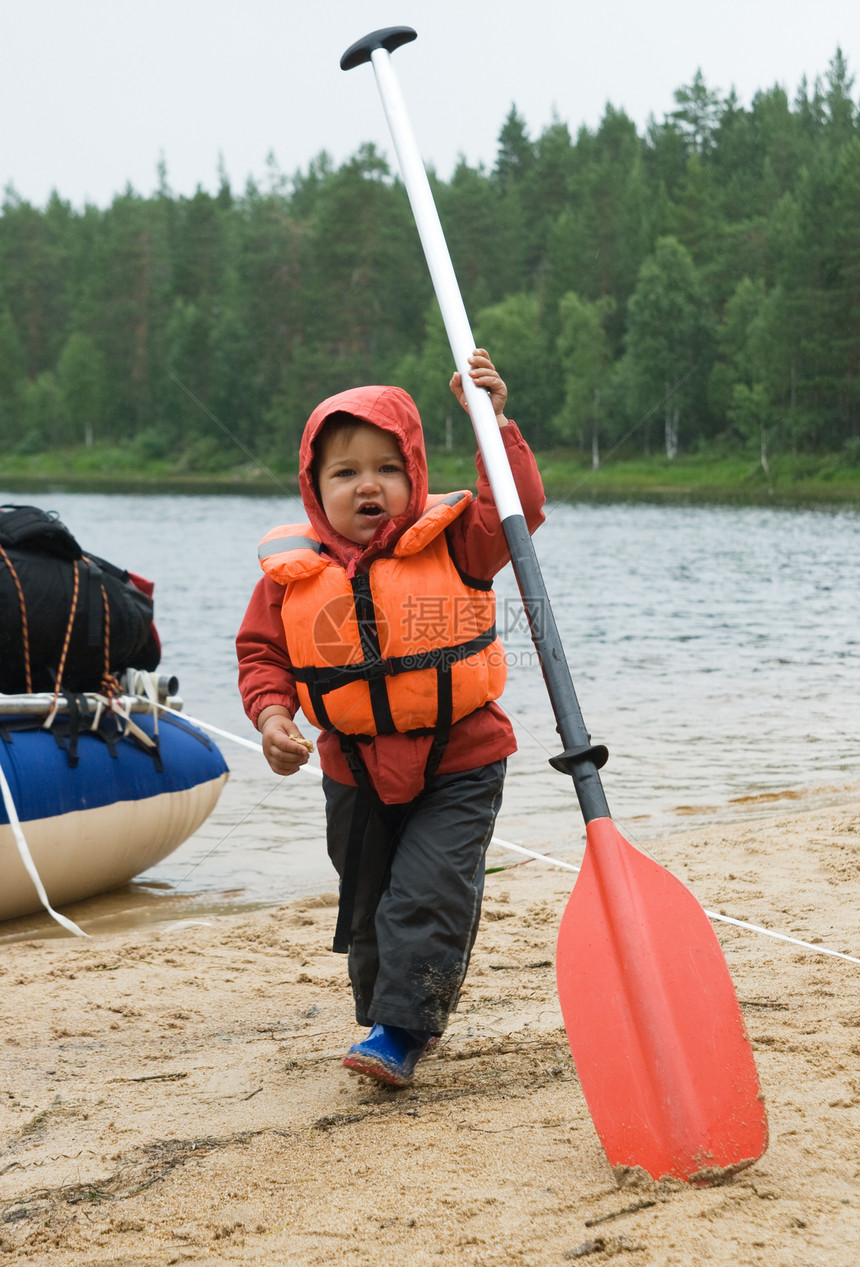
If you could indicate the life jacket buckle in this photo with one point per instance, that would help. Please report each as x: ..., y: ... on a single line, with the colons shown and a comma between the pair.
x: 374, y: 669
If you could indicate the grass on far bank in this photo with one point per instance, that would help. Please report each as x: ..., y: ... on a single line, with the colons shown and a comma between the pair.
x: 701, y: 477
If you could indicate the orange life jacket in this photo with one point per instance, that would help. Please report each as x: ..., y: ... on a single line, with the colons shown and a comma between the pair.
x: 410, y: 645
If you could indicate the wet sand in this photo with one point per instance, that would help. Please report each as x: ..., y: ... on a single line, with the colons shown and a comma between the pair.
x: 173, y: 1093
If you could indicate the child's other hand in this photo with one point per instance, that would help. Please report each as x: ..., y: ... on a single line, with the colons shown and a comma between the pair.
x: 483, y: 374
x: 283, y: 746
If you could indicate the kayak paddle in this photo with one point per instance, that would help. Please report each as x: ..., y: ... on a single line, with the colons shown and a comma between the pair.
x: 655, y: 1028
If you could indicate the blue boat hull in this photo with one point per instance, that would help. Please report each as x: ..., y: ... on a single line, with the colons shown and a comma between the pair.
x: 93, y: 825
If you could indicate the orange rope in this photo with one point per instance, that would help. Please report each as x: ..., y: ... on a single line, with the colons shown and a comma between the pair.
x: 68, y: 637
x: 25, y: 630
x: 110, y: 686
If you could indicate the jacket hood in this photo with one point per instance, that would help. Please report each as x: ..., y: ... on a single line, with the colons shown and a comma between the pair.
x: 393, y: 410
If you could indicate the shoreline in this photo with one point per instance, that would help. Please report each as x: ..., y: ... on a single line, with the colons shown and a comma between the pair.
x: 176, y: 1095
x: 153, y: 904
x: 563, y: 482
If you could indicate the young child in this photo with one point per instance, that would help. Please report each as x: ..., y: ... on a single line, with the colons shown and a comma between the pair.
x: 377, y: 619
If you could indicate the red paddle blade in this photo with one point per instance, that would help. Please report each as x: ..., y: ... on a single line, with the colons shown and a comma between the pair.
x: 654, y: 1026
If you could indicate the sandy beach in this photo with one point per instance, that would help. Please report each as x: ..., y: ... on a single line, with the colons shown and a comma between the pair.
x: 175, y: 1094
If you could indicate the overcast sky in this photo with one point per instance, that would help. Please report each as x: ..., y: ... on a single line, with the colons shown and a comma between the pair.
x: 92, y: 92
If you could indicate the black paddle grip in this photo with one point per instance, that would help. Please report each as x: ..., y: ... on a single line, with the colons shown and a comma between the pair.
x: 388, y: 37
x: 598, y: 753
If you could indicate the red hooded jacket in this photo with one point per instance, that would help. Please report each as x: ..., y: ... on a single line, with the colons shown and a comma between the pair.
x: 395, y: 762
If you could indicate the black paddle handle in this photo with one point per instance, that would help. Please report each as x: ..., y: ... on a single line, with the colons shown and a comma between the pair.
x: 581, y: 758
x: 387, y: 37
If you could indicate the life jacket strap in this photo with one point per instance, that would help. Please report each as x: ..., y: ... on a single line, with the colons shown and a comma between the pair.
x: 335, y: 676
x: 368, y: 799
x: 368, y: 632
x: 444, y: 718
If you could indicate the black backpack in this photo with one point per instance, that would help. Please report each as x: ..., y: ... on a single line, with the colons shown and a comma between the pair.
x: 41, y: 567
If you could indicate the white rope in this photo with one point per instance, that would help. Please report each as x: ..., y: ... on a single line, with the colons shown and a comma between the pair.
x: 27, y: 858
x: 725, y: 919
x: 795, y: 941
x: 255, y: 746
x: 542, y: 857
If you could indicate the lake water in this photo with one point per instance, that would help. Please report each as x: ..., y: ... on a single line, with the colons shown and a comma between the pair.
x: 715, y: 650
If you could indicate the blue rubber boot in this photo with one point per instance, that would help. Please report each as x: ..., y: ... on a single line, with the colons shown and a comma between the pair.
x: 388, y: 1054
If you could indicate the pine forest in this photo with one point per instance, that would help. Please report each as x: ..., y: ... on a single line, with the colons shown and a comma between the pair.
x: 692, y: 290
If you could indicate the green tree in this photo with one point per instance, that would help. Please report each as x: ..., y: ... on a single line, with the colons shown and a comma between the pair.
x: 11, y: 376
x: 698, y: 114
x: 124, y: 306
x: 668, y: 342
x: 198, y: 248
x: 845, y: 308
x: 840, y: 106
x: 81, y: 378
x: 515, y: 155
x: 469, y: 208
x: 275, y: 285
x: 721, y: 215
x: 425, y: 373
x: 779, y: 144
x: 830, y: 229
x: 189, y: 364
x: 810, y: 111
x: 546, y: 192
x: 598, y: 242
x: 665, y: 157
x: 41, y: 414
x: 697, y: 215
x: 749, y: 363
x: 735, y: 161
x: 367, y: 286
x: 35, y: 251
x: 514, y: 161
x: 583, y: 350
x: 511, y: 332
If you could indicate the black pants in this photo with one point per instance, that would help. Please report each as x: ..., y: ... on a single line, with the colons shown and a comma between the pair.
x: 418, y: 896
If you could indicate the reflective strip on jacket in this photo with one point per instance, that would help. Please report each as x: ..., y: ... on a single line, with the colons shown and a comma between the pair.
x: 409, y: 645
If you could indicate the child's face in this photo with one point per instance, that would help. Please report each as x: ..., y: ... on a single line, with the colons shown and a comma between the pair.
x: 362, y: 481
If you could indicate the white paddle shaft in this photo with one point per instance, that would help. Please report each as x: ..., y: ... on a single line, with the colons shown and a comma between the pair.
x: 445, y: 284
x: 581, y: 759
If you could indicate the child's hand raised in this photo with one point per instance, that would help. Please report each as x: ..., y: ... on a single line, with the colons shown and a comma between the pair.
x: 483, y: 374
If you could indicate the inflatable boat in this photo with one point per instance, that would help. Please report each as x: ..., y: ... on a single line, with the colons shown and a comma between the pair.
x: 100, y: 775
x: 100, y: 790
